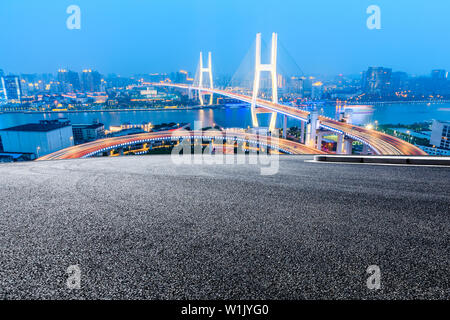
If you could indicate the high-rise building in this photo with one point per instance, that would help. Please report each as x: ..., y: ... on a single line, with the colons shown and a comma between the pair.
x: 399, y: 81
x: 97, y: 78
x: 376, y: 80
x: 181, y: 76
x: 91, y: 80
x: 296, y: 85
x: 74, y: 79
x: 307, y: 86
x: 440, y: 135
x: 69, y: 81
x: 63, y: 81
x: 439, y: 81
x: 87, y: 80
x: 12, y: 89
x: 156, y: 77
x: 2, y: 95
x: 317, y: 90
x: 439, y: 74
x: 27, y: 83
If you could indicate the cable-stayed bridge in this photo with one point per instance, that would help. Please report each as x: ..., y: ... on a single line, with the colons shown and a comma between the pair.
x: 313, y: 126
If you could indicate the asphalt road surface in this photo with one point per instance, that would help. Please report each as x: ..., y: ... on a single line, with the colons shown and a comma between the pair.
x: 145, y: 228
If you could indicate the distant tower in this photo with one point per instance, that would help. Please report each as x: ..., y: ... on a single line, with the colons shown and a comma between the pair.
x: 12, y: 88
x: 272, y: 68
x: 87, y: 80
x: 1, y: 81
x: 209, y: 71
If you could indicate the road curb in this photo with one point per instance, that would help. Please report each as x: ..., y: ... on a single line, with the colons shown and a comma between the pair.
x: 405, y: 160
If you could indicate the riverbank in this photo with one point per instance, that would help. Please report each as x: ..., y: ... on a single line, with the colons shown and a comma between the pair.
x: 397, y: 102
x: 230, y: 116
x: 123, y: 110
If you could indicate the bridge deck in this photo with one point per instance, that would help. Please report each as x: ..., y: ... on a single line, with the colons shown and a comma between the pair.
x: 381, y: 143
x: 87, y: 149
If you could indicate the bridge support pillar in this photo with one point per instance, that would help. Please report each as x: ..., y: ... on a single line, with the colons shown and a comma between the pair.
x: 344, y: 145
x: 312, y: 127
x: 284, y: 127
x: 319, y: 140
x: 365, y: 149
x: 302, y: 132
x: 348, y: 146
x: 340, y: 144
x: 211, y: 147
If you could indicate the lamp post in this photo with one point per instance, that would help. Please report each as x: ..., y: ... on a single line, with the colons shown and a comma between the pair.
x: 37, y: 151
x: 409, y: 134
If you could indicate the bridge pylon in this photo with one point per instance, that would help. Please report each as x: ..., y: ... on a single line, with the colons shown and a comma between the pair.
x: 272, y: 68
x: 204, y: 70
x: 311, y: 129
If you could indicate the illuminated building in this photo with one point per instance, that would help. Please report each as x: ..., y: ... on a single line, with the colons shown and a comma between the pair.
x: 376, y: 80
x: 317, y: 90
x: 91, y: 80
x: 12, y: 89
x: 439, y: 81
x: 440, y: 136
x: 88, y: 132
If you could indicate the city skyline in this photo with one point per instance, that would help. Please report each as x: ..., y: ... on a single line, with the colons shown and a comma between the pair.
x: 147, y: 37
x: 354, y: 75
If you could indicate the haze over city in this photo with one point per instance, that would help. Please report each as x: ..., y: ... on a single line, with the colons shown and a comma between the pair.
x: 129, y: 37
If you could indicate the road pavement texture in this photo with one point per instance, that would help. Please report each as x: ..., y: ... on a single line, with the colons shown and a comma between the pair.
x: 145, y: 228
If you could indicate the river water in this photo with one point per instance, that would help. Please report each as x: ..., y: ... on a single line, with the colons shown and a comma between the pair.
x: 238, y: 117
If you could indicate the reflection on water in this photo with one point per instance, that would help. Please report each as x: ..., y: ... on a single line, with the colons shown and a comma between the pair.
x: 240, y: 117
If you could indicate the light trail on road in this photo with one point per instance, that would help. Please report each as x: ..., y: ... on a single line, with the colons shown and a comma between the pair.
x: 103, y: 145
x: 381, y: 143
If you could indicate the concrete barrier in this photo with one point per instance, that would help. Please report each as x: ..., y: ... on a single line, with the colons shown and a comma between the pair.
x: 404, y: 160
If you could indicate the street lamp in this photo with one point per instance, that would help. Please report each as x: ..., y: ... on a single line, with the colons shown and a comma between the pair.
x: 37, y: 151
x: 409, y: 134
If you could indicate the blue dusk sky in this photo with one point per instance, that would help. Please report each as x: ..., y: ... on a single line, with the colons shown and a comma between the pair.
x: 145, y: 36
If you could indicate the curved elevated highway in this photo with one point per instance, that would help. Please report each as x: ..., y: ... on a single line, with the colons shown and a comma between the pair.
x: 99, y: 146
x: 380, y: 143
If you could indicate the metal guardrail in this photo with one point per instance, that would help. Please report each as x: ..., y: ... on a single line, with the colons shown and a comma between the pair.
x: 403, y: 160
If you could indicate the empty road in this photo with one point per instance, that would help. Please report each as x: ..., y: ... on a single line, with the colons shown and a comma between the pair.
x: 144, y: 228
